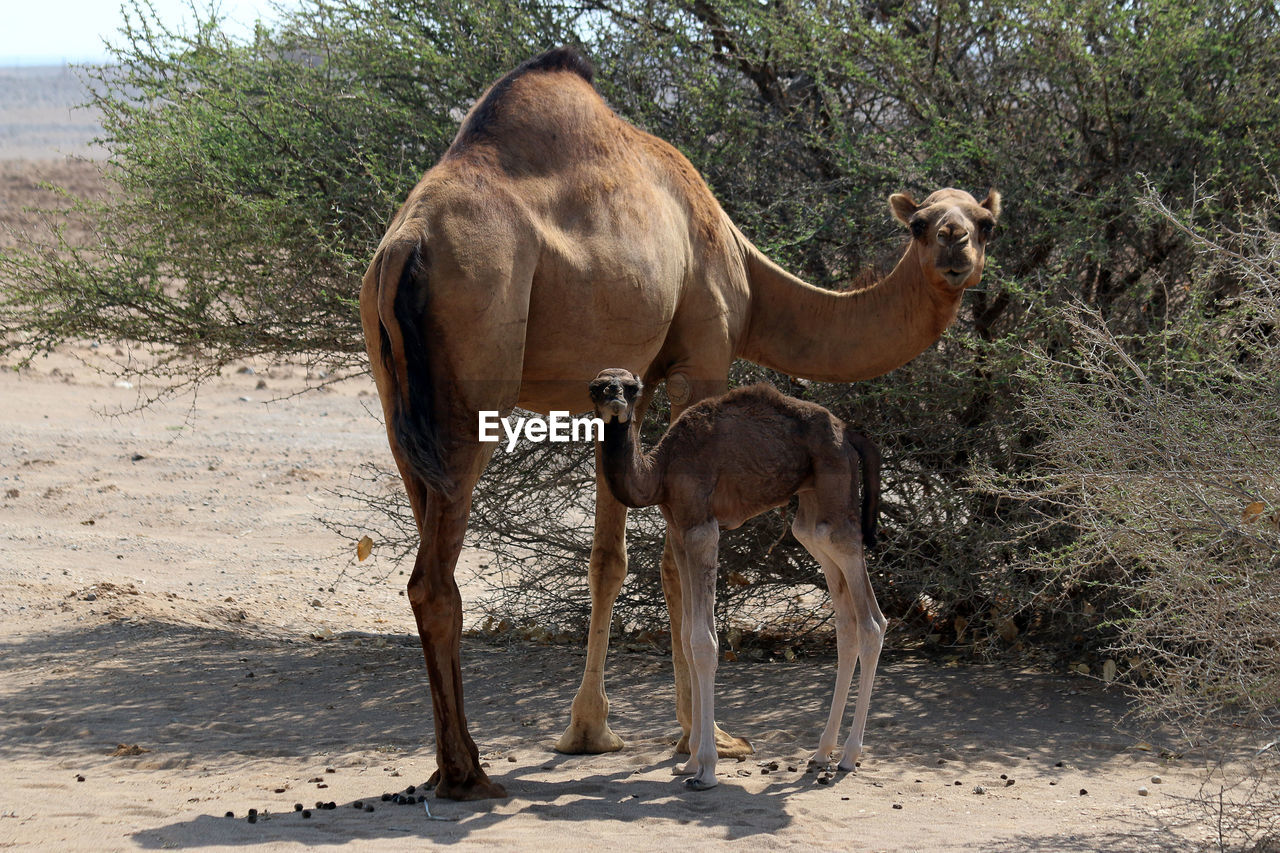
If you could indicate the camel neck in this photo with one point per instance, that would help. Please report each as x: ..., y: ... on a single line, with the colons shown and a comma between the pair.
x: 631, y: 475
x: 819, y: 334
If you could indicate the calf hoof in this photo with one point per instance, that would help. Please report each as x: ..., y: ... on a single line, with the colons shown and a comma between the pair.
x: 821, y: 758
x: 693, y: 783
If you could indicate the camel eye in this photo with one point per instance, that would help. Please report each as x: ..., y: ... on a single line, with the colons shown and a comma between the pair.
x: 918, y: 227
x: 986, y: 226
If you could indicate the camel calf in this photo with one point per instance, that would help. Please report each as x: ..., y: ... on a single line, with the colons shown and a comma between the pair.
x: 723, y: 461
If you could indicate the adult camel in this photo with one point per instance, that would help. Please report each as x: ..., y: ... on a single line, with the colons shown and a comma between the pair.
x: 551, y: 241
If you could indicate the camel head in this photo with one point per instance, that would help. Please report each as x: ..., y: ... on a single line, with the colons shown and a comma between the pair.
x: 614, y: 393
x: 949, y: 234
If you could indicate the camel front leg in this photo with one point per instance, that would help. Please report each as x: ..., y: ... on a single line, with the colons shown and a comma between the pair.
x: 697, y: 571
x: 727, y: 746
x: 588, y: 730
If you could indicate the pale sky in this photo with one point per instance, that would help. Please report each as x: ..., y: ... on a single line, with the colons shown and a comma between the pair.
x: 50, y: 32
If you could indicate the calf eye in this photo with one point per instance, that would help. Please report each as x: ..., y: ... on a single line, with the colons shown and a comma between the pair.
x: 919, y: 227
x: 986, y: 228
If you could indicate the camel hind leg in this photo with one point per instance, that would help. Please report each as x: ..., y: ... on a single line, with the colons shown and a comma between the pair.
x: 437, y: 609
x: 859, y: 622
x: 871, y: 624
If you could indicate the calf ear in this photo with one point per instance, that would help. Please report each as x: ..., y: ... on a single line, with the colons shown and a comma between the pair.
x: 992, y: 203
x: 903, y: 205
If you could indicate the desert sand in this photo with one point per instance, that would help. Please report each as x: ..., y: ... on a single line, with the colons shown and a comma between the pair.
x: 181, y: 638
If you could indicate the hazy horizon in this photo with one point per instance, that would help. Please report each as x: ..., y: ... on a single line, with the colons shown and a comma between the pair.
x: 57, y: 33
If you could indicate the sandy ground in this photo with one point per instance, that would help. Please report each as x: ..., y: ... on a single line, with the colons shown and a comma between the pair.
x: 162, y: 581
x: 180, y: 638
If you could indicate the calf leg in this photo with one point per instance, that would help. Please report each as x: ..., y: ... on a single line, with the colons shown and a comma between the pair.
x: 697, y: 565
x: 871, y: 626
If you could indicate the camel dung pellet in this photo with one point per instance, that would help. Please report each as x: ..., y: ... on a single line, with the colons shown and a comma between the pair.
x: 897, y: 805
x: 386, y: 798
x: 306, y: 813
x: 79, y: 778
x: 1008, y: 782
x: 279, y: 790
x: 979, y: 789
x: 229, y: 814
x: 1053, y: 781
x: 330, y: 769
x: 297, y: 807
x: 357, y: 805
x: 322, y: 785
x: 253, y: 812
x: 316, y: 779
x: 253, y: 818
x: 368, y: 808
x: 824, y: 780
x: 1084, y: 792
x: 1142, y: 791
x: 791, y: 768
x: 1059, y: 764
x: 411, y: 789
x: 1004, y: 775
x: 331, y: 805
x: 319, y: 804
x: 957, y: 782
x: 1156, y: 780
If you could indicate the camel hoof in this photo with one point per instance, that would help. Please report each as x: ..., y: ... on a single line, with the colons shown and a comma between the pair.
x: 727, y: 746
x: 847, y: 768
x: 582, y: 740
x: 471, y: 789
x: 693, y: 783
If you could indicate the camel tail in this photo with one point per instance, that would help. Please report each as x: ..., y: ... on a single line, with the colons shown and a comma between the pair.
x: 411, y: 420
x: 869, y: 454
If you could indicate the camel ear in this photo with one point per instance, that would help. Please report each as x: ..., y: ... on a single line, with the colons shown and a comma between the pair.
x: 992, y: 203
x: 903, y: 205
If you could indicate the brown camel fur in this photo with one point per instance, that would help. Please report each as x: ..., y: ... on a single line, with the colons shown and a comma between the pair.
x: 553, y: 240
x: 727, y: 459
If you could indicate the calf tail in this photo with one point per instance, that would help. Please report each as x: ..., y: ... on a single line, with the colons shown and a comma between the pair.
x: 869, y: 455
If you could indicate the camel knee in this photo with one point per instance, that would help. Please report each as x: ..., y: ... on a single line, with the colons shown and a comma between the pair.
x: 607, y: 570
x: 704, y: 647
x: 871, y: 633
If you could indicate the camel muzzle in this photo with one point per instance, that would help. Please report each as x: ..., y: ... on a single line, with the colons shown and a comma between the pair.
x: 615, y: 409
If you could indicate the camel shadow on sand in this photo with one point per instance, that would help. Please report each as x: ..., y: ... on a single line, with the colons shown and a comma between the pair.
x: 201, y: 696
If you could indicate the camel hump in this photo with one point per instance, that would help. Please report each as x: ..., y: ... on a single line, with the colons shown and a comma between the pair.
x: 487, y: 116
x: 563, y: 58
